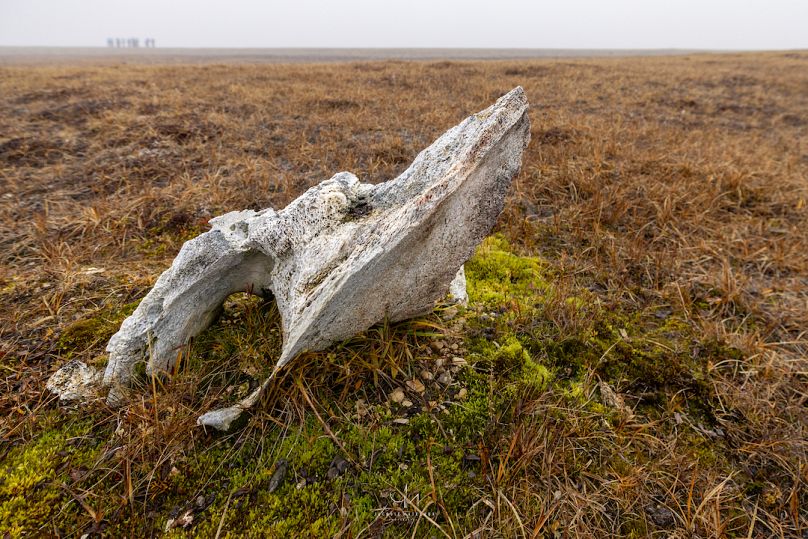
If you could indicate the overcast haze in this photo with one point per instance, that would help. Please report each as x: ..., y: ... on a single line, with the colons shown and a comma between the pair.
x: 586, y: 24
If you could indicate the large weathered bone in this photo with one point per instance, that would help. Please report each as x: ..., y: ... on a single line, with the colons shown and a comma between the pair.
x: 341, y: 257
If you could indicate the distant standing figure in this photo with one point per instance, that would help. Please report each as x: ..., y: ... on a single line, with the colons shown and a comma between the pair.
x: 110, y: 42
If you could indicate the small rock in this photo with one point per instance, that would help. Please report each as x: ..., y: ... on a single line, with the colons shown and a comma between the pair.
x: 75, y: 381
x: 461, y: 395
x: 440, y: 362
x: 610, y: 397
x: 663, y: 313
x: 458, y: 361
x: 406, y: 403
x: 450, y: 313
x: 361, y: 408
x: 437, y: 345
x: 280, y: 473
x: 401, y: 421
x: 183, y: 521
x: 416, y: 385
x: 445, y: 378
x: 337, y: 467
x: 661, y: 516
x: 426, y: 375
x: 397, y: 395
x: 454, y: 346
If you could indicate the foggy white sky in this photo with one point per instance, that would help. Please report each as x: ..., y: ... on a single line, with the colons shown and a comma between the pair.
x: 693, y: 24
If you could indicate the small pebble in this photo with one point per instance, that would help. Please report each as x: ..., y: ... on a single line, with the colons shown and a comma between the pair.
x: 426, y: 375
x: 338, y: 467
x: 458, y: 361
x: 361, y: 408
x: 416, y: 385
x: 278, y: 475
x: 397, y: 395
x: 461, y: 395
x: 445, y: 378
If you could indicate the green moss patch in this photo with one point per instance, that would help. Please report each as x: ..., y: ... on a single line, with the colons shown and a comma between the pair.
x: 94, y: 330
x: 35, y: 476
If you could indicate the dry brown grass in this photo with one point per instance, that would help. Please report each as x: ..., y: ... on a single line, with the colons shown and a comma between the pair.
x: 674, y: 183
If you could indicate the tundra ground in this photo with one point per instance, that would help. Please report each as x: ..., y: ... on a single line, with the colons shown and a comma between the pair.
x: 634, y: 360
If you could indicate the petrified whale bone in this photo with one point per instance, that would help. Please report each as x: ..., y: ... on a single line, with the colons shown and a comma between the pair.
x: 338, y: 259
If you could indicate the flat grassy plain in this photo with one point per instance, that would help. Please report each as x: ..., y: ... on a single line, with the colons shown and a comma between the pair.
x: 634, y: 360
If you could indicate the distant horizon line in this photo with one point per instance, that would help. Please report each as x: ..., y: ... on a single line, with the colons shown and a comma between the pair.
x: 425, y: 48
x: 43, y: 54
x: 404, y: 48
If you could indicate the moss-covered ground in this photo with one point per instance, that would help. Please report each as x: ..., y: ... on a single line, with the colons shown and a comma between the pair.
x: 528, y: 418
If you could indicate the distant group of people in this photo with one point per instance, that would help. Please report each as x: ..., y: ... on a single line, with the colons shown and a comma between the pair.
x: 129, y: 43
